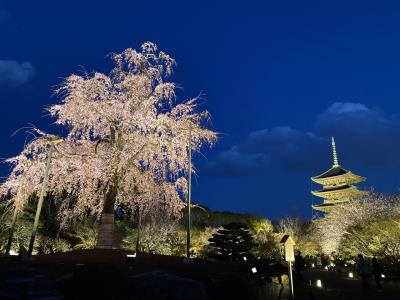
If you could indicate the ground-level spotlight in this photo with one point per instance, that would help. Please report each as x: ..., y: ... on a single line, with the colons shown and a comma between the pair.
x: 319, y: 283
x: 312, y: 265
x: 254, y: 270
x: 345, y: 265
x: 244, y: 258
x: 326, y: 268
x: 13, y: 253
x: 351, y: 275
x: 383, y: 276
x: 130, y: 258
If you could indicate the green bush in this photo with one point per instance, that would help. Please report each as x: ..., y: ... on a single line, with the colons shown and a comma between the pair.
x: 47, y: 245
x: 267, y: 246
x: 167, y: 239
x: 83, y: 235
x: 200, y: 244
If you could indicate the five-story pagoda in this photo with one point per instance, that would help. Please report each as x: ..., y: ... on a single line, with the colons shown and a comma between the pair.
x: 337, y: 185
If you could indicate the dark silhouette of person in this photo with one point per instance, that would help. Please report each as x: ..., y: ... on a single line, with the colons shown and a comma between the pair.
x: 299, y: 265
x: 319, y: 261
x: 362, y: 270
x: 119, y: 213
x: 376, y: 271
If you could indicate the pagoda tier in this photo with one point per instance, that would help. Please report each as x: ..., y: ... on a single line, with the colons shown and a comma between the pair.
x: 324, y: 207
x: 338, y: 193
x: 337, y: 176
x: 337, y: 185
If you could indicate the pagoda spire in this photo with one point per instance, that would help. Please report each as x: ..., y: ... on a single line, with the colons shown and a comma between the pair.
x: 335, y: 159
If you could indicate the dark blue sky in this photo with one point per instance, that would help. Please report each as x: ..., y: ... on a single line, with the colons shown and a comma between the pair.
x: 280, y: 77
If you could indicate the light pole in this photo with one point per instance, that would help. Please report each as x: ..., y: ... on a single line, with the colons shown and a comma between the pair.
x: 42, y: 194
x: 11, y: 233
x: 139, y: 221
x: 189, y: 193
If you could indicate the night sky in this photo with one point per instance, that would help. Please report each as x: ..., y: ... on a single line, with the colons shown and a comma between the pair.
x: 279, y: 78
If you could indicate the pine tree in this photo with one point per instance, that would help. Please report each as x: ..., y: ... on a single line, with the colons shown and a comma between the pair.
x: 232, y: 242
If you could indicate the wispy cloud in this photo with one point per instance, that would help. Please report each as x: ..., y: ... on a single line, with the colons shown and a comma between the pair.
x: 236, y: 162
x: 365, y: 136
x: 14, y: 73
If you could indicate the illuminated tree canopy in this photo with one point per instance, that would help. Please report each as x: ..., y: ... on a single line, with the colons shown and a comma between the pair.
x: 126, y: 140
x: 343, y: 226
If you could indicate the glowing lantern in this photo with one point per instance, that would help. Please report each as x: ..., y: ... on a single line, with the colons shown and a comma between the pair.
x: 319, y: 283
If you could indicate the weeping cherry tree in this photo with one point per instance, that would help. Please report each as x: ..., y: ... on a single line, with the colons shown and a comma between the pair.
x: 126, y: 142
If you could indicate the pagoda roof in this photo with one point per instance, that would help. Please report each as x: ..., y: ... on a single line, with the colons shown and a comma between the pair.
x: 328, y: 206
x: 336, y: 188
x: 337, y: 174
x: 334, y: 171
x: 334, y: 191
x: 324, y: 207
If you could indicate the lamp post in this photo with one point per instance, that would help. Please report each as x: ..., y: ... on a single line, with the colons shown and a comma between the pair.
x: 139, y: 216
x: 189, y: 193
x: 42, y: 194
x: 11, y: 233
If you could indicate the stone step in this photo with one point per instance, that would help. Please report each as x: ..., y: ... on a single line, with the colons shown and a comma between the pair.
x: 109, y: 227
x: 105, y: 233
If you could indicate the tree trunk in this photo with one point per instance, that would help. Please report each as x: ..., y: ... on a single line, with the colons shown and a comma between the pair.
x: 105, y: 234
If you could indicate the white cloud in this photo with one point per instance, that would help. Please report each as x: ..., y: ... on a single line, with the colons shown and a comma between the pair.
x: 14, y: 73
x: 338, y: 108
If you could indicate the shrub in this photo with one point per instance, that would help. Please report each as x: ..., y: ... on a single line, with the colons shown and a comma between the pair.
x: 200, y: 245
x: 83, y: 235
x: 267, y: 246
x: 167, y: 239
